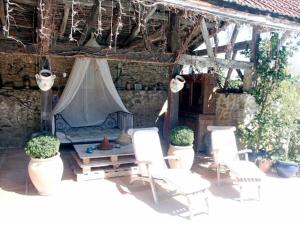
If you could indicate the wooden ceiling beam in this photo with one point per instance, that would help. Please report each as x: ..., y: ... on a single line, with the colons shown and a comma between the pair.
x: 2, y: 13
x: 136, y: 30
x: 152, y: 38
x: 195, y: 30
x: 63, y: 25
x: 221, y: 49
x: 211, y: 62
x: 45, y: 18
x: 89, y: 23
x: 206, y: 38
x: 232, y: 41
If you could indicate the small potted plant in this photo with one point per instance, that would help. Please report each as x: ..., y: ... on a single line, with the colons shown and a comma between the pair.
x: 181, y: 146
x: 45, y: 167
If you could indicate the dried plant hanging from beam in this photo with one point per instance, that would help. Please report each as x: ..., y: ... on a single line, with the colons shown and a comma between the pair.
x: 74, y: 22
x: 111, y: 24
x: 119, y: 23
x: 99, y: 22
x: 6, y: 27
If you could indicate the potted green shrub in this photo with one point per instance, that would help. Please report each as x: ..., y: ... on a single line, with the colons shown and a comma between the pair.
x: 181, y: 146
x: 45, y: 167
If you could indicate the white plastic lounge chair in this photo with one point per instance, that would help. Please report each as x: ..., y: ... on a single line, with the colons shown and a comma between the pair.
x: 149, y: 156
x: 225, y: 152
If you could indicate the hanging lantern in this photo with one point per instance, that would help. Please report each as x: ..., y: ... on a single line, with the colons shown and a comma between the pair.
x: 177, y: 83
x: 45, y: 79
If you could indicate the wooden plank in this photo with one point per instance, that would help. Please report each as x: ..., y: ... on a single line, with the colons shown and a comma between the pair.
x: 221, y: 49
x: 232, y: 42
x: 102, y: 174
x: 2, y: 13
x: 236, y: 15
x: 137, y: 28
x: 209, y: 62
x: 193, y: 32
x: 89, y: 23
x: 206, y: 38
x: 65, y: 20
x: 102, y: 162
x: 45, y: 24
x: 152, y: 38
x: 229, y: 72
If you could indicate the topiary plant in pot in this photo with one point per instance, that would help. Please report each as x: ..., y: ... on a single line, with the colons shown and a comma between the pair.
x: 45, y: 167
x: 181, y: 146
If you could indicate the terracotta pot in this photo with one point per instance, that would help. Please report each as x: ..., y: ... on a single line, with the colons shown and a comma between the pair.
x: 185, y: 155
x: 46, y: 174
x: 264, y: 165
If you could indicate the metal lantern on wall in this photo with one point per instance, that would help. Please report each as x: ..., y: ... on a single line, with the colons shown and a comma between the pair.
x: 45, y: 79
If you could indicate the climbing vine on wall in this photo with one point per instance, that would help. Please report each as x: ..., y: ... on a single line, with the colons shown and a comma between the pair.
x: 275, y: 125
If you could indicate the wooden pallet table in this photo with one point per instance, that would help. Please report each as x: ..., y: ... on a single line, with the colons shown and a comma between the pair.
x: 103, y: 163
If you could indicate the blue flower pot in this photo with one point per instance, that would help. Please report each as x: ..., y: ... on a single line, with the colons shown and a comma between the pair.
x: 285, y: 169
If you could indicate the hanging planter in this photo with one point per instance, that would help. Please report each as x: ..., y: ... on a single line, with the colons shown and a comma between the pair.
x: 45, y: 79
x: 177, y: 83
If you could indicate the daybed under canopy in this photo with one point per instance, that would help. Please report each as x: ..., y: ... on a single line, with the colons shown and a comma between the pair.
x: 90, y: 106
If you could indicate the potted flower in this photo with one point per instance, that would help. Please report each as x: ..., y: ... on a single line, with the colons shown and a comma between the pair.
x: 181, y: 146
x: 45, y: 167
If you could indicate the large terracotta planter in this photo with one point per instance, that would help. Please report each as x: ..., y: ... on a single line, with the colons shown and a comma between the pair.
x: 46, y: 174
x: 185, y: 155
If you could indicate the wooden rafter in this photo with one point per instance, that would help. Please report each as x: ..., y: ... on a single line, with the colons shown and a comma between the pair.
x: 65, y: 20
x: 45, y: 19
x: 152, y: 38
x: 229, y: 50
x: 199, y: 40
x: 211, y: 62
x: 230, y: 70
x: 232, y: 41
x: 89, y: 23
x: 221, y: 49
x: 116, y: 11
x: 206, y: 38
x: 136, y: 30
x: 2, y: 13
x: 195, y: 30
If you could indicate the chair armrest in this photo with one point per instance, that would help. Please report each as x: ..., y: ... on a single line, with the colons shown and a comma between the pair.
x: 143, y: 162
x: 171, y: 157
x: 245, y: 152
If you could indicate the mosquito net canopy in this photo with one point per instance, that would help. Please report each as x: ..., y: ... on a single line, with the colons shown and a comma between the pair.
x: 90, y: 94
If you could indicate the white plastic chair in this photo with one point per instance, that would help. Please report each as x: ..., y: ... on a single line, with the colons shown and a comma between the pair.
x: 225, y: 152
x: 152, y: 166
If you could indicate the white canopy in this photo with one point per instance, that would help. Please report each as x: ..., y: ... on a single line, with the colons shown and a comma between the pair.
x: 90, y: 94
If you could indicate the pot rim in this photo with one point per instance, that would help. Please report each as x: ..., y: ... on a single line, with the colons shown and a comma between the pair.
x: 47, y: 159
x: 187, y: 146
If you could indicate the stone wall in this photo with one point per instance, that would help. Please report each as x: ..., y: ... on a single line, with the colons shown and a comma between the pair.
x: 145, y: 105
x: 20, y: 97
x: 234, y: 109
x: 20, y: 116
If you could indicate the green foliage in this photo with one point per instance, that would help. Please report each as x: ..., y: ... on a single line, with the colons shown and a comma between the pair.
x: 275, y: 127
x: 182, y: 136
x: 42, y: 147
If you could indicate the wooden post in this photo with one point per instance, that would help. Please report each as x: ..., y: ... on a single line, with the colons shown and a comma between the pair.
x: 46, y: 101
x: 250, y: 75
x: 173, y: 98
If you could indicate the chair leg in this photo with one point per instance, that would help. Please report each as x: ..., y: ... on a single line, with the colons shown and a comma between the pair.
x: 241, y: 193
x: 206, y: 201
x: 190, y: 206
x: 258, y: 192
x: 218, y: 173
x: 153, y: 190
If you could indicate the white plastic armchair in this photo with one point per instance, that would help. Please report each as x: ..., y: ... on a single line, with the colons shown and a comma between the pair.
x: 152, y: 166
x: 225, y: 152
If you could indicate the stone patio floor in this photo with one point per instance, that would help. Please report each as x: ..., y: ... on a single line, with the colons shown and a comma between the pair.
x: 115, y: 201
